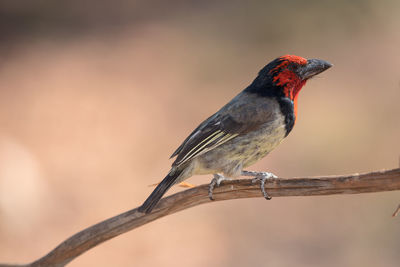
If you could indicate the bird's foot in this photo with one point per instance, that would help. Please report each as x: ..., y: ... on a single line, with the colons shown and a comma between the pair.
x: 262, y: 177
x: 216, y: 181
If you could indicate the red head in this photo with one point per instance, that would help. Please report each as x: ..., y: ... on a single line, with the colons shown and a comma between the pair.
x: 286, y: 75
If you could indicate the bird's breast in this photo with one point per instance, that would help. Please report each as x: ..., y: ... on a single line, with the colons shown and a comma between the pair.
x: 256, y: 145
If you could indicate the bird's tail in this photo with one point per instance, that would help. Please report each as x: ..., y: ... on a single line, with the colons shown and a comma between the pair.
x: 160, y: 190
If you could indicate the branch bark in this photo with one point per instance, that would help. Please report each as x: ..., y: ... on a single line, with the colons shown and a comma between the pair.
x: 81, y: 242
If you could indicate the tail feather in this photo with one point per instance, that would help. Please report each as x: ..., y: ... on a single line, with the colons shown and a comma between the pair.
x: 160, y: 190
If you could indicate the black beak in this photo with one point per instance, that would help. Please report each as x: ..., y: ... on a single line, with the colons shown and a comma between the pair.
x: 312, y: 68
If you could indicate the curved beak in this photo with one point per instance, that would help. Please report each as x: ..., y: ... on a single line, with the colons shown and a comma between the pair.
x: 312, y: 68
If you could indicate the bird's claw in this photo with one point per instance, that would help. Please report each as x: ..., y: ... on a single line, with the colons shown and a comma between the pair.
x: 262, y: 177
x: 257, y: 174
x: 216, y: 181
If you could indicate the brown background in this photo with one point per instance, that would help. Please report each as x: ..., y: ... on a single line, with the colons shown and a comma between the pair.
x: 95, y: 96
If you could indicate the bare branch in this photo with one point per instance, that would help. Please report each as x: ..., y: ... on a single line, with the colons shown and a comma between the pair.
x: 243, y: 188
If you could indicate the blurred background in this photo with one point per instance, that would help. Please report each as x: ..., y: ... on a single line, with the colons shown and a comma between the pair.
x: 96, y: 95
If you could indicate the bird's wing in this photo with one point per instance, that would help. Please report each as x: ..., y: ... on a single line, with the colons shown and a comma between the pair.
x: 212, y: 133
x: 195, y: 132
x: 243, y: 114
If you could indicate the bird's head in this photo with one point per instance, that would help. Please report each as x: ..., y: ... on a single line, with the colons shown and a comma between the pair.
x: 286, y: 75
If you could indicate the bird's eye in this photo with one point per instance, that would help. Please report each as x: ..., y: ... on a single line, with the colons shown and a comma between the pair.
x: 295, y: 66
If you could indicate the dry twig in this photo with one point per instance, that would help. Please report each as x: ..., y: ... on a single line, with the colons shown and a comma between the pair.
x: 243, y: 188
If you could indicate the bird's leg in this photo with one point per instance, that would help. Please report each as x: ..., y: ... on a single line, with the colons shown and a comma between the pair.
x: 262, y: 177
x: 216, y: 181
x: 257, y: 174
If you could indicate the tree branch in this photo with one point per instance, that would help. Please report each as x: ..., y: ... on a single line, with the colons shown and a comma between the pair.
x: 243, y: 188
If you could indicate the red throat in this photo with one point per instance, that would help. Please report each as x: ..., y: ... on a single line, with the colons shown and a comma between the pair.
x: 289, y: 80
x: 296, y: 91
x: 292, y: 85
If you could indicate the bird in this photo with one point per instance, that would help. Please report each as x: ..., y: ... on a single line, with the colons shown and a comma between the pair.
x: 243, y: 131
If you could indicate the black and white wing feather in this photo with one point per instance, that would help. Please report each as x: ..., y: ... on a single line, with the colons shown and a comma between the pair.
x: 212, y: 133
